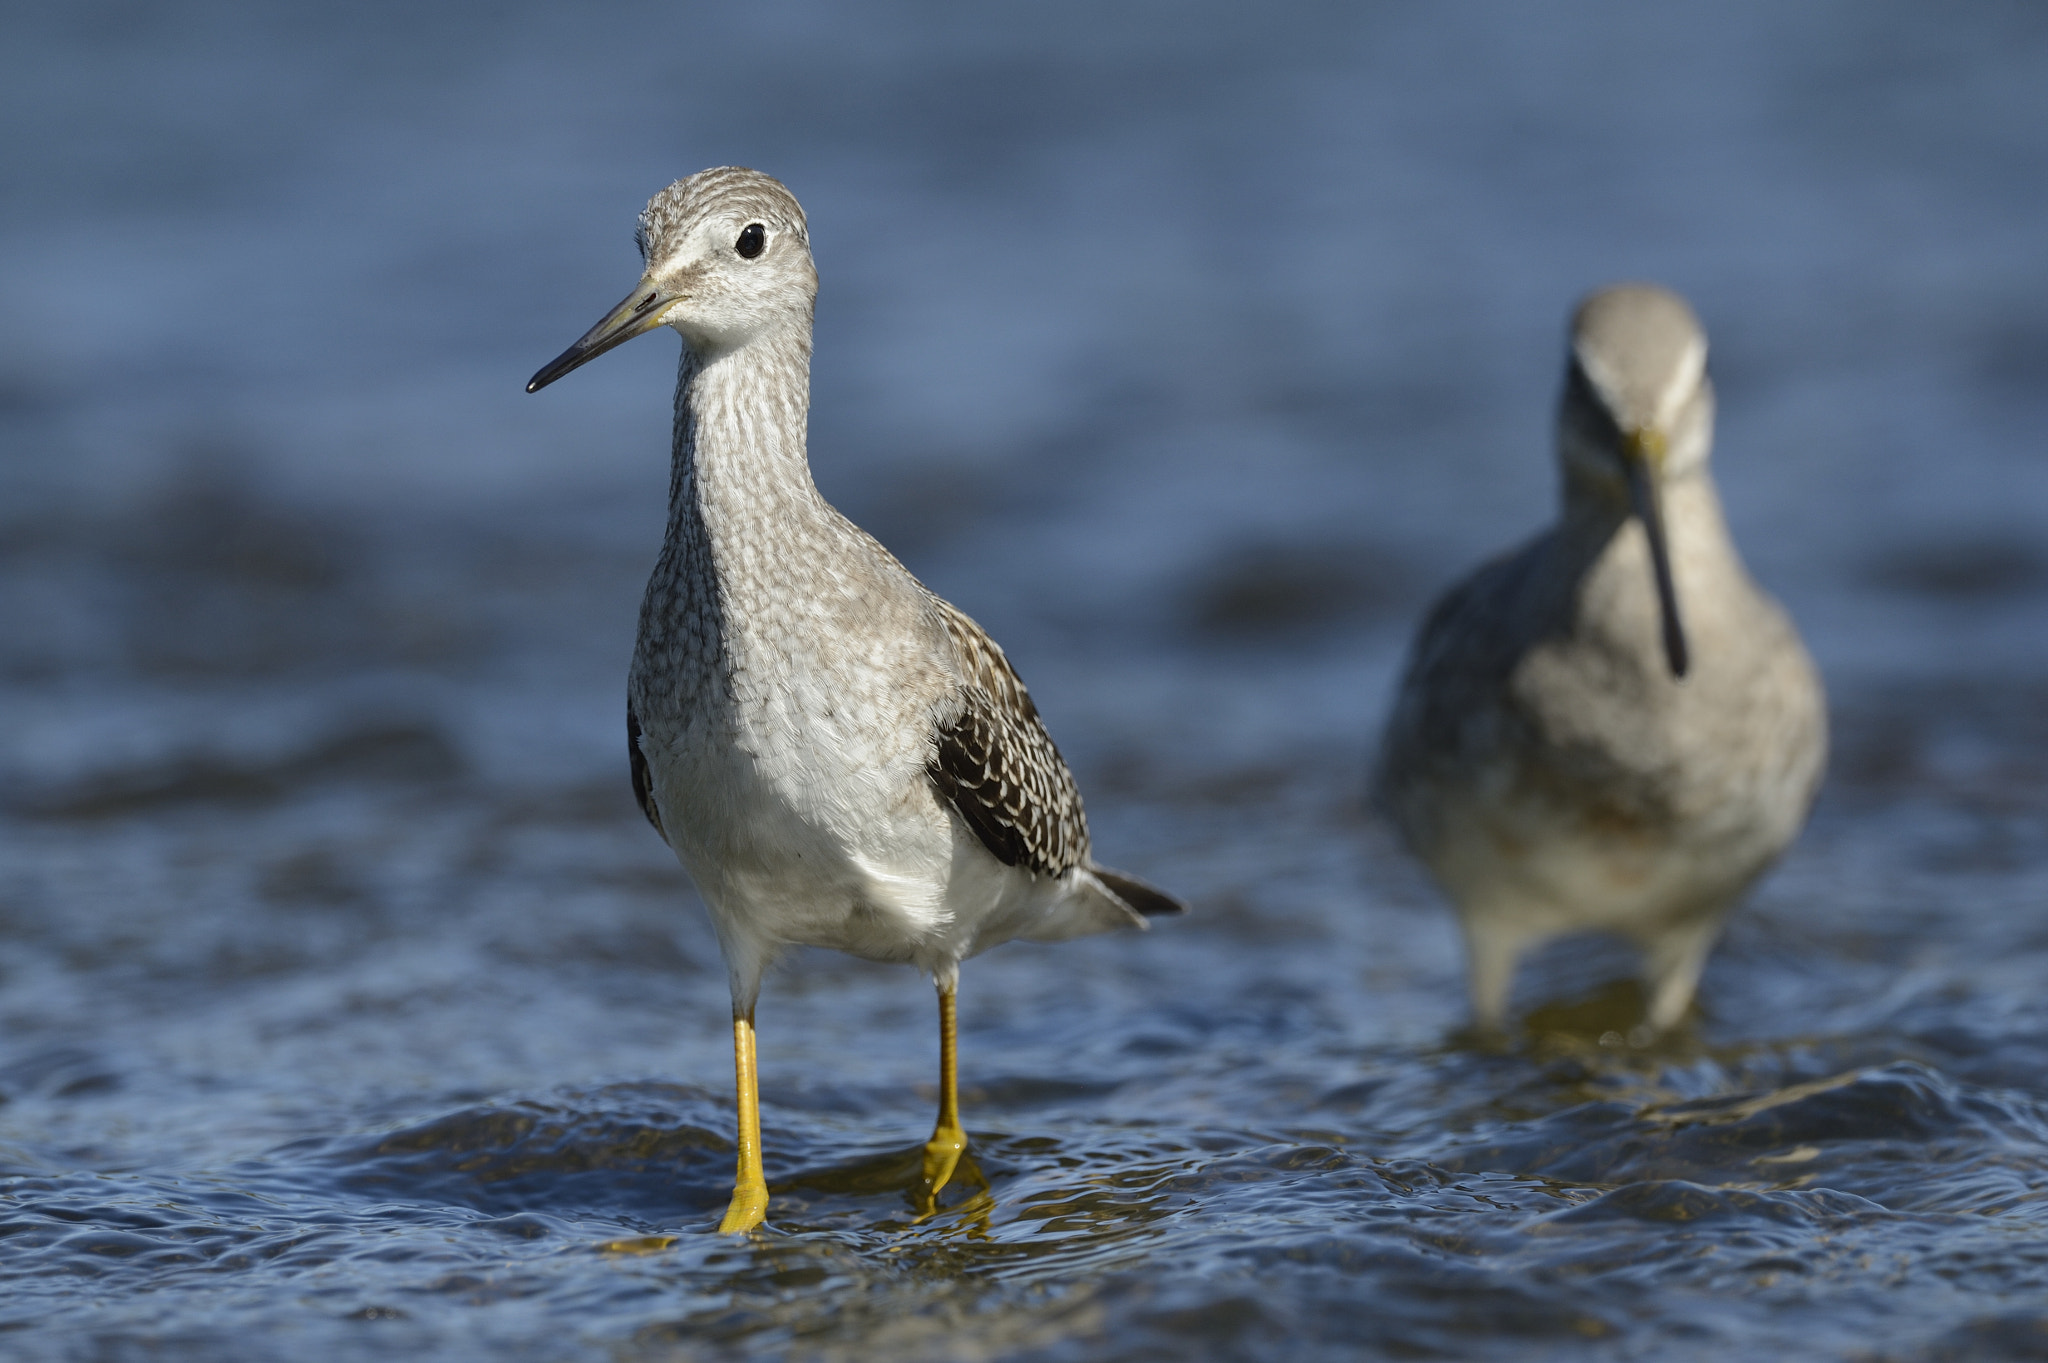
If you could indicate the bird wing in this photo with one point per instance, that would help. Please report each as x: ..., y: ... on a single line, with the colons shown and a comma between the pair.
x: 995, y: 763
x: 643, y: 782
x: 1468, y: 645
x: 1453, y: 697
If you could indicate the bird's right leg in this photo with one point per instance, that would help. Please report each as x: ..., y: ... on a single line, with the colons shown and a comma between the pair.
x: 1674, y: 963
x: 750, y: 1187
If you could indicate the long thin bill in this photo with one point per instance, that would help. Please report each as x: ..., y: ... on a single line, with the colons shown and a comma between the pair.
x: 641, y: 312
x: 1642, y: 493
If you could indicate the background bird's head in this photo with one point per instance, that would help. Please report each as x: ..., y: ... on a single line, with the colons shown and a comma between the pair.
x: 1637, y: 400
x: 1638, y: 416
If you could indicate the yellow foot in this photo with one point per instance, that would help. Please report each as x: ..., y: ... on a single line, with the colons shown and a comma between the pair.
x: 941, y: 1156
x: 749, y: 1207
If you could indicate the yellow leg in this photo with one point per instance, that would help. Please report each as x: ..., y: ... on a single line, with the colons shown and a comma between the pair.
x: 750, y: 1189
x: 949, y: 1139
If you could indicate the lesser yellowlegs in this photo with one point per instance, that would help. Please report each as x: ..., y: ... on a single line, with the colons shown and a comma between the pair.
x: 838, y: 757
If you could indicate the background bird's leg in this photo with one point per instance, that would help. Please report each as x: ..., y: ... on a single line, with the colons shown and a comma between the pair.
x: 949, y: 1139
x: 750, y: 1188
x: 1673, y: 964
x: 1492, y: 947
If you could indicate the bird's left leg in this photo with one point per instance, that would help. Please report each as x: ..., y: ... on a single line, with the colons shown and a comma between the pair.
x: 949, y: 1139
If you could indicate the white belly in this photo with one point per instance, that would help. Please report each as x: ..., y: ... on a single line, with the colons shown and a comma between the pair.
x: 803, y: 838
x: 1551, y: 867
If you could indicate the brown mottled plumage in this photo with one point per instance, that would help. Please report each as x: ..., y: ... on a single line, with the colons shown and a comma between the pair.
x: 996, y: 764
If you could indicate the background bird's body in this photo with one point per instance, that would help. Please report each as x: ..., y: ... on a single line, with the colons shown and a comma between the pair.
x: 1556, y: 778
x: 1553, y: 773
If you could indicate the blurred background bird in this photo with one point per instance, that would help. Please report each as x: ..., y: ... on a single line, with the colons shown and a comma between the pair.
x: 1612, y: 727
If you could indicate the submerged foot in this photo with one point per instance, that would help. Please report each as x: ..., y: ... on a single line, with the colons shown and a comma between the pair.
x: 749, y: 1207
x: 941, y: 1157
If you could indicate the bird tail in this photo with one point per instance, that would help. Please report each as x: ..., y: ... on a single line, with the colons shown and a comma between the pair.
x: 1139, y: 896
x: 1094, y: 900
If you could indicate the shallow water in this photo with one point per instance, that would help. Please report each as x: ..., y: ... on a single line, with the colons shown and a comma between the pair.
x: 347, y: 1006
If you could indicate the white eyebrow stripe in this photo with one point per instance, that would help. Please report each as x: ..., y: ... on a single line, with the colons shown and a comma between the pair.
x: 1598, y: 373
x: 1685, y: 377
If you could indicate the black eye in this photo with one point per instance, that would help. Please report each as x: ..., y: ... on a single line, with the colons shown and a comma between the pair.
x: 752, y: 238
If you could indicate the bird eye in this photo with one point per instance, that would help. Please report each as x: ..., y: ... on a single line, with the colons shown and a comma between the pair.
x: 752, y: 238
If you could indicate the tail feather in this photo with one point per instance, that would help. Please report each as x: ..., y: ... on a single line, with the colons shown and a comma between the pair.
x: 1095, y: 900
x: 1138, y: 895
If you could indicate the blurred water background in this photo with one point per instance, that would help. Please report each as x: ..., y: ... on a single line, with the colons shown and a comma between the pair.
x: 349, y: 1010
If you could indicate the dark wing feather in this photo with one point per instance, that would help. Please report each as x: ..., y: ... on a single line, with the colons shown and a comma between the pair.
x: 995, y: 763
x: 643, y: 783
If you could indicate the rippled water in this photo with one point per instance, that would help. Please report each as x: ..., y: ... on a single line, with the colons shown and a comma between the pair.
x: 347, y: 1006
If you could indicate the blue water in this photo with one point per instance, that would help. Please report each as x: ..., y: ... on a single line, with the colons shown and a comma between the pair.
x: 347, y: 1006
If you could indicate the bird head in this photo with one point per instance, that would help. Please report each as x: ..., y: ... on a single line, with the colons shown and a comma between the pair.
x: 727, y: 258
x: 1637, y: 416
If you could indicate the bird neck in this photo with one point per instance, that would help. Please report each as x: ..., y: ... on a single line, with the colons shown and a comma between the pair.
x: 741, y: 418
x: 1592, y: 538
x: 1594, y: 510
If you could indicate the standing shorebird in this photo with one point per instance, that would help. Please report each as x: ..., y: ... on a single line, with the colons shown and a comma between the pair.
x: 1611, y: 728
x: 838, y: 757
